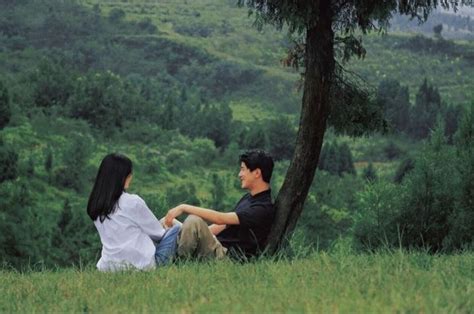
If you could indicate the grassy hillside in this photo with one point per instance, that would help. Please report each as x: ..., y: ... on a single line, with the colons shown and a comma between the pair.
x: 224, y: 30
x: 388, y: 57
x: 320, y: 283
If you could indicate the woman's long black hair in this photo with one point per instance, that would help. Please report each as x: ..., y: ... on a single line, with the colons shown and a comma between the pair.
x: 109, y: 185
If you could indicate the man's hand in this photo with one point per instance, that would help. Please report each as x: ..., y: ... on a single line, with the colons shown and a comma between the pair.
x: 173, y: 213
x: 216, y: 229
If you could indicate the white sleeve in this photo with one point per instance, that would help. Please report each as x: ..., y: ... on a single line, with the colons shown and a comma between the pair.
x: 148, y: 222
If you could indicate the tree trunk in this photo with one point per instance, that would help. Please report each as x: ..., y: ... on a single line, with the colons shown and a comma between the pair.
x: 319, y: 71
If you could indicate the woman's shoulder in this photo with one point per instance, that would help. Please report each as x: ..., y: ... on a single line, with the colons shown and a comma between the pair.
x: 127, y: 199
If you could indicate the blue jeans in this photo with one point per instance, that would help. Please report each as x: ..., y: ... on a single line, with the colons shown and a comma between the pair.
x: 166, y: 248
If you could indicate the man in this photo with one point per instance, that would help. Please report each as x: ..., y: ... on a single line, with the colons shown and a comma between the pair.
x: 243, y: 231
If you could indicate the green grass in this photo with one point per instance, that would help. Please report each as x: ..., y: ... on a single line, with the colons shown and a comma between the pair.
x: 321, y: 283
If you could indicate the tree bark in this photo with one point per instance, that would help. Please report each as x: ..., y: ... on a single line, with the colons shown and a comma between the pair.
x: 319, y: 71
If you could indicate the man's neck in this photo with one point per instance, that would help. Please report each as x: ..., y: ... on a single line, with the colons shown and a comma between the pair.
x: 259, y: 189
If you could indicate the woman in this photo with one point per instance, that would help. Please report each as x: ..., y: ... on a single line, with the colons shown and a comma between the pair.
x: 131, y: 235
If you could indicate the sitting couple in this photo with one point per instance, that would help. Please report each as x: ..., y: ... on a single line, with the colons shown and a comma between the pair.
x: 132, y: 236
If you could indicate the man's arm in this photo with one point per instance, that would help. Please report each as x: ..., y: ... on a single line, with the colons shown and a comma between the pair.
x: 209, y: 215
x: 216, y: 229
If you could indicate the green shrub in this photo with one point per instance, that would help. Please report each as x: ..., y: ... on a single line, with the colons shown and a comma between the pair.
x: 425, y: 111
x: 147, y: 26
x: 52, y: 83
x: 73, y: 172
x: 392, y: 151
x: 329, y: 209
x: 74, y: 237
x: 369, y: 173
x: 461, y: 221
x: 5, y: 110
x: 104, y: 100
x: 403, y: 169
x: 336, y: 159
x: 8, y: 162
x: 394, y: 99
x: 281, y: 138
x: 183, y: 193
x: 116, y: 15
x: 30, y: 167
x: 433, y: 187
x: 432, y: 206
x: 26, y: 229
x: 378, y: 207
x: 195, y: 30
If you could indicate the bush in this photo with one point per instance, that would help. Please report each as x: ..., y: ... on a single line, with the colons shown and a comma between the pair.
x: 433, y: 187
x: 147, y: 26
x: 184, y: 193
x: 22, y: 226
x: 281, y: 138
x: 253, y: 137
x: 461, y: 222
x: 74, y: 238
x: 392, y: 151
x: 329, y: 209
x: 432, y: 207
x: 228, y: 76
x: 425, y: 111
x: 378, y: 207
x: 104, y: 100
x: 48, y: 160
x: 369, y: 173
x: 194, y: 30
x: 336, y: 159
x: 203, y: 151
x: 5, y: 110
x: 218, y: 191
x: 30, y: 167
x: 178, y: 160
x: 140, y: 132
x: 214, y: 122
x: 52, y: 83
x: 451, y: 119
x: 8, y: 162
x: 72, y: 174
x: 116, y: 15
x: 403, y: 169
x: 394, y: 98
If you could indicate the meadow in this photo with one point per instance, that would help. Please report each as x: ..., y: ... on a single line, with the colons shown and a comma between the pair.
x: 336, y: 282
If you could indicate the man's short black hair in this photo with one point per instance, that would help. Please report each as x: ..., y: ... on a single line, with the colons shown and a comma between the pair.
x: 254, y: 159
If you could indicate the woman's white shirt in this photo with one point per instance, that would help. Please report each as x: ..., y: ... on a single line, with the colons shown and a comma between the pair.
x: 127, y: 237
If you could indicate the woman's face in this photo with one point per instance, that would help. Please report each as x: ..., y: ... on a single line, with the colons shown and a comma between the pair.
x: 127, y: 181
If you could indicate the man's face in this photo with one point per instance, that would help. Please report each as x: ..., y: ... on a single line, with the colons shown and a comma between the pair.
x: 246, y: 176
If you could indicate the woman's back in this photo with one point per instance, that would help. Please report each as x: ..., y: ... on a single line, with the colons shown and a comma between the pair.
x: 127, y: 235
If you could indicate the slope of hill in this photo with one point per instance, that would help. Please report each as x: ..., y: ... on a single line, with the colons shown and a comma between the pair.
x: 224, y: 30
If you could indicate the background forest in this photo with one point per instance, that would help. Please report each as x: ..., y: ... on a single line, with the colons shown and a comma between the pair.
x: 182, y: 87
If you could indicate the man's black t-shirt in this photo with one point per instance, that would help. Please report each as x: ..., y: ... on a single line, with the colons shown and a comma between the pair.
x: 256, y: 215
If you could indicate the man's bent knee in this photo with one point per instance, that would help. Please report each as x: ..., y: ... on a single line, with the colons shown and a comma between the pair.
x: 191, y: 236
x: 193, y: 220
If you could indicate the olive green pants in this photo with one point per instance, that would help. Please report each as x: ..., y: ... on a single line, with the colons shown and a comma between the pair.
x: 196, y: 241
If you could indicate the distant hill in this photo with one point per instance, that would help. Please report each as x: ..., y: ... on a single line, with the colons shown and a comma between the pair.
x: 223, y: 30
x: 456, y: 25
